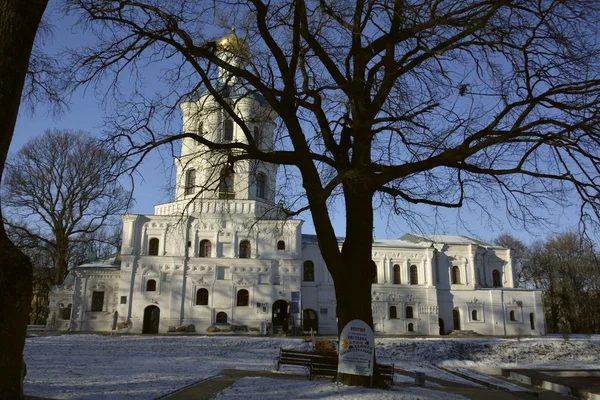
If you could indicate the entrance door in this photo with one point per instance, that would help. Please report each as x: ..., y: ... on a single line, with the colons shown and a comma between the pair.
x: 151, y: 319
x: 456, y: 318
x: 309, y: 320
x: 280, y: 312
x: 441, y: 324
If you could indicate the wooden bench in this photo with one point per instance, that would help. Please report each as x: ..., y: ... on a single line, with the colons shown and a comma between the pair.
x: 324, y: 364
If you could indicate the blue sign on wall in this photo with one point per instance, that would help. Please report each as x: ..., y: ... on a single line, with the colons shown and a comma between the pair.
x: 295, y: 302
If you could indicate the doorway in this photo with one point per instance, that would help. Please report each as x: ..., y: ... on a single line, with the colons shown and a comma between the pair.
x: 280, y: 314
x: 151, y: 319
x: 441, y: 325
x: 456, y: 319
x: 309, y: 320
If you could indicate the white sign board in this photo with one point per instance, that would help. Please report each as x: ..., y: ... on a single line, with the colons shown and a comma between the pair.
x: 357, y: 349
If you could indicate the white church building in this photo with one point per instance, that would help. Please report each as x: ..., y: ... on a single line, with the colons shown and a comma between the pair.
x: 220, y: 257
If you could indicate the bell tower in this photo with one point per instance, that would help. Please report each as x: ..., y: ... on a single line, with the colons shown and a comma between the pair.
x: 205, y: 174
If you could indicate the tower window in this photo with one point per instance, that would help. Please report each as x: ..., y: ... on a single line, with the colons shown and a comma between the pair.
x: 414, y: 275
x: 396, y: 274
x: 474, y: 315
x: 205, y: 248
x: 228, y: 130
x: 409, y: 312
x: 261, y: 182
x: 411, y: 327
x: 244, y: 249
x: 393, y: 312
x: 281, y: 245
x: 309, y: 271
x: 153, y: 247
x: 190, y: 181
x: 257, y: 136
x: 512, y: 315
x: 455, y: 275
x: 496, y: 278
x: 226, y: 182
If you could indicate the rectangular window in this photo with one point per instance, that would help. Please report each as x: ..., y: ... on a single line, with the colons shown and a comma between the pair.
x: 97, y: 301
x: 223, y: 273
x: 123, y: 299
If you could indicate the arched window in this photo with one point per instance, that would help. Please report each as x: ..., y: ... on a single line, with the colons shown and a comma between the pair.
x: 228, y: 130
x: 153, y: 247
x: 244, y: 249
x: 202, y: 297
x: 409, y: 312
x: 221, y: 318
x: 309, y: 271
x: 455, y: 275
x: 257, y: 136
x: 474, y: 315
x: 393, y: 312
x: 190, y: 181
x: 242, y: 298
x: 261, y: 183
x: 414, y: 275
x: 512, y: 316
x: 396, y: 274
x: 281, y: 245
x: 411, y: 327
x: 496, y: 278
x: 531, y: 320
x: 205, y: 248
x: 150, y: 285
x: 226, y: 183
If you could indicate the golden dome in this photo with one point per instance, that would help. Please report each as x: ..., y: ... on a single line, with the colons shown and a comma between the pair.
x: 233, y: 44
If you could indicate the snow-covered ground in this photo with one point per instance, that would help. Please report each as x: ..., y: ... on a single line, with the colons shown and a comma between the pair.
x: 146, y: 367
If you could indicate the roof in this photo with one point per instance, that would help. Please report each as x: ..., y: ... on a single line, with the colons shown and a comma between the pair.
x: 112, y: 262
x: 446, y: 239
x: 414, y: 240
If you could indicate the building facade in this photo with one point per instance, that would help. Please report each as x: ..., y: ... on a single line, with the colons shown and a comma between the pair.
x: 221, y: 254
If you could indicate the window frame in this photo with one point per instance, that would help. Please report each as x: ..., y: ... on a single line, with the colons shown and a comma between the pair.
x: 244, y: 299
x: 308, y: 271
x: 414, y: 274
x: 190, y: 182
x: 151, y: 285
x: 202, y: 294
x: 202, y: 248
x: 245, y: 249
x: 151, y: 246
x: 97, y: 301
x: 397, y: 280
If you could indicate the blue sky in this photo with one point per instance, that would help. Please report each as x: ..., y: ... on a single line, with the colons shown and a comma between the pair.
x: 155, y: 173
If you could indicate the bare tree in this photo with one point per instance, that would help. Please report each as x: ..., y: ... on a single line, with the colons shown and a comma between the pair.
x: 19, y: 22
x: 440, y: 103
x: 60, y: 188
x: 566, y: 267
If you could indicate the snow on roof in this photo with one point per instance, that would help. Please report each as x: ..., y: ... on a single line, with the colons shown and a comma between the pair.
x: 446, y: 239
x: 113, y: 261
x: 309, y: 238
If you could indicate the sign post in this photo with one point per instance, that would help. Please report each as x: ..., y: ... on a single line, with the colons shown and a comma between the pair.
x: 357, y: 349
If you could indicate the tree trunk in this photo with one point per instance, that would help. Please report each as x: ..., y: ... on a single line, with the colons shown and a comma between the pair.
x: 355, y: 277
x: 19, y: 21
